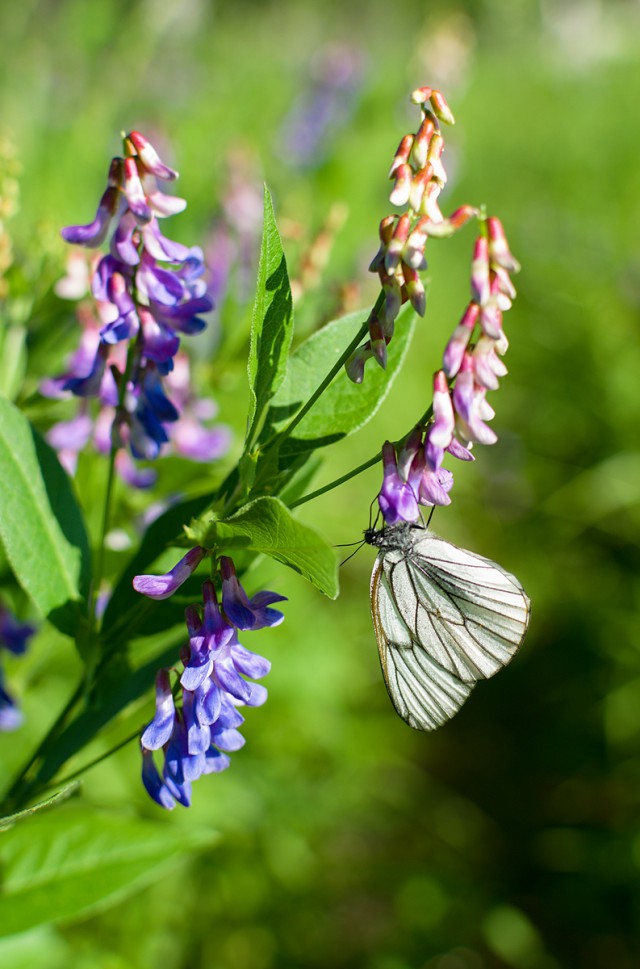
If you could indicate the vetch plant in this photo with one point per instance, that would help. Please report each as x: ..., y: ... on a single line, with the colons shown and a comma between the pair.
x: 193, y: 564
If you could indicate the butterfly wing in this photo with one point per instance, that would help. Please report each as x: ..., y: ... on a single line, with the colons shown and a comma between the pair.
x: 444, y: 618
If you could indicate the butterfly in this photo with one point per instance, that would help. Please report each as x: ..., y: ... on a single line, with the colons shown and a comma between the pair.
x: 443, y: 618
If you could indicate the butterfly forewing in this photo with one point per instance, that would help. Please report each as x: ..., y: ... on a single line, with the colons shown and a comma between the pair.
x: 444, y: 618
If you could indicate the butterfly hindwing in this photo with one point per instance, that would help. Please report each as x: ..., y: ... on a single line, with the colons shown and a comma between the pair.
x: 444, y: 618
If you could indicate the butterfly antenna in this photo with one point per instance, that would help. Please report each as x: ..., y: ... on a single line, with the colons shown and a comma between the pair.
x: 430, y: 515
x: 359, y: 544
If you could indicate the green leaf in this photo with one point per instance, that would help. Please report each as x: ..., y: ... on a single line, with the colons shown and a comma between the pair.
x: 272, y: 324
x: 266, y: 526
x: 344, y: 407
x: 41, y: 526
x: 69, y: 862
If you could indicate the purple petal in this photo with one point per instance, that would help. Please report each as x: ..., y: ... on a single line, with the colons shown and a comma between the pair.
x: 163, y: 586
x: 161, y: 727
x: 248, y: 663
x: 154, y: 785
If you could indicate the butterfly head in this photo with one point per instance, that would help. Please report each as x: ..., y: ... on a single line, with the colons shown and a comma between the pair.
x: 391, y: 536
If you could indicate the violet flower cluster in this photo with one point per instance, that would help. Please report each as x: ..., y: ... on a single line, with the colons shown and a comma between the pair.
x: 13, y: 638
x: 199, y: 731
x: 149, y: 291
x: 472, y: 365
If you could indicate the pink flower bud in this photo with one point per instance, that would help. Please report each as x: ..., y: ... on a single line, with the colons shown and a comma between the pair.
x: 440, y: 108
x: 429, y: 206
x: 402, y: 187
x: 150, y: 158
x: 418, y: 187
x: 441, y: 431
x: 414, y: 249
x: 385, y: 231
x: 499, y: 247
x: 487, y: 365
x: 421, y: 95
x: 395, y: 246
x: 421, y: 141
x: 401, y: 156
x: 434, y: 156
x: 135, y: 193
x: 415, y: 289
x: 393, y: 299
x: 480, y: 288
x: 459, y: 341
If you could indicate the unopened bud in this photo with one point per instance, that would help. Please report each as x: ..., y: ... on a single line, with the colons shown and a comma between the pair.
x: 402, y: 187
x: 414, y: 249
x: 459, y: 341
x: 480, y: 289
x: 418, y: 187
x: 415, y: 289
x: 396, y: 244
x: 440, y: 107
x: 421, y: 141
x: 499, y: 247
x: 378, y: 342
x: 421, y: 95
x: 434, y: 156
x: 401, y: 156
x: 429, y: 206
x: 149, y: 157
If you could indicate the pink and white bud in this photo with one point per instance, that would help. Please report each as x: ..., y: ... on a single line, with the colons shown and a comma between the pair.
x: 491, y: 320
x: 502, y: 286
x: 434, y: 157
x: 429, y: 206
x: 470, y: 407
x: 440, y: 108
x: 421, y: 141
x: 163, y: 586
x: 134, y: 192
x: 421, y: 95
x: 448, y: 226
x: 402, y: 187
x: 488, y: 366
x: 480, y: 285
x: 459, y: 341
x: 414, y: 289
x: 401, y: 156
x: 414, y: 249
x: 499, y: 251
x: 395, y: 246
x: 441, y: 430
x: 418, y: 187
x: 150, y: 158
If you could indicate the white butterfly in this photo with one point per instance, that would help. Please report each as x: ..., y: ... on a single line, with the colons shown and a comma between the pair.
x: 443, y: 618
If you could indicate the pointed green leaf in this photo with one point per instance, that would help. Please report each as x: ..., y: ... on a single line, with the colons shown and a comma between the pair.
x: 41, y: 526
x: 266, y: 526
x: 68, y: 862
x: 272, y: 323
x: 344, y: 407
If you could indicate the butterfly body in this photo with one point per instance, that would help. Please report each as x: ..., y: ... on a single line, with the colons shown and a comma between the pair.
x: 443, y: 617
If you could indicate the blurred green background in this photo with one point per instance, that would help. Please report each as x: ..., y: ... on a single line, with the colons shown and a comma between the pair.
x: 510, y: 837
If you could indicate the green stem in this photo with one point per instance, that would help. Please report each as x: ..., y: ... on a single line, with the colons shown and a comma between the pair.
x: 92, y: 763
x: 361, y: 467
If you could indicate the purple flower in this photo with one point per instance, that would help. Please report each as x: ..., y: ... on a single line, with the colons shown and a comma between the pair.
x: 197, y: 733
x: 163, y: 586
x: 397, y: 499
x: 243, y: 612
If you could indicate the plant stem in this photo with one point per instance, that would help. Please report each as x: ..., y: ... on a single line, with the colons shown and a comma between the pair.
x: 361, y: 467
x: 92, y: 763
